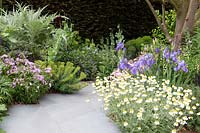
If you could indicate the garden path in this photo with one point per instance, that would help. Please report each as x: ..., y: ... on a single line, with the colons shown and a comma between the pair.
x: 58, y: 113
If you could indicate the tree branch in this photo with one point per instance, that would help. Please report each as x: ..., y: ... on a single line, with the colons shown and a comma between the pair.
x: 190, y: 17
x: 197, y: 16
x: 176, y: 3
x: 162, y: 25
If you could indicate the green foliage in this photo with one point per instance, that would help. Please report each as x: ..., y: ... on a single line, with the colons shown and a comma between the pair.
x: 134, y: 46
x: 191, y: 51
x: 85, y: 57
x: 2, y: 131
x: 192, y: 58
x: 63, y: 40
x: 65, y: 78
x: 93, y: 59
x: 108, y: 57
x: 67, y: 46
x: 107, y: 62
x: 3, y: 110
x: 166, y: 63
x: 5, y: 90
x: 170, y: 20
x: 195, y: 123
x: 3, y: 113
x: 26, y: 30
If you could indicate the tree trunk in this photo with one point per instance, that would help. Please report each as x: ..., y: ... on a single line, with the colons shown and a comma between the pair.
x: 187, y: 16
x: 181, y: 14
x: 185, y: 20
x: 190, y: 18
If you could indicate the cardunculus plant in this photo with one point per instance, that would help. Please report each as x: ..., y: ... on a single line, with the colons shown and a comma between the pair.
x: 27, y: 81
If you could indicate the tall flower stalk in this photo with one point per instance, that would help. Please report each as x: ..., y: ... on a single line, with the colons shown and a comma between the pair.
x: 161, y: 62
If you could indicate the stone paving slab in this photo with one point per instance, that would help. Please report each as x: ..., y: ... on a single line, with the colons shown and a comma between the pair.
x: 58, y: 113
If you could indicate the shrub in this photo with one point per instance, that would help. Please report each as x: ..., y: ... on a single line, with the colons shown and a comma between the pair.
x: 5, y: 90
x: 67, y: 46
x: 26, y: 30
x: 192, y: 55
x: 93, y: 59
x: 27, y: 83
x: 65, y: 77
x: 3, y: 110
x: 3, y: 113
x: 140, y: 104
x: 110, y: 53
x: 195, y: 123
x: 135, y: 46
x: 170, y: 20
x: 85, y: 57
x: 107, y: 63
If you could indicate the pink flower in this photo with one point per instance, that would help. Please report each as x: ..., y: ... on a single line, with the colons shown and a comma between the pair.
x: 40, y: 77
x: 48, y: 70
x: 14, y: 84
x: 117, y: 73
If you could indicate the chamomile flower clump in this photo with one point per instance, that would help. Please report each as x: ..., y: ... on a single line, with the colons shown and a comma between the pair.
x: 141, y: 104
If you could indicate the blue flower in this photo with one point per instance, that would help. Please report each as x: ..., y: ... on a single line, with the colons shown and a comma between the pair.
x: 179, y: 51
x: 157, y: 50
x: 166, y: 53
x: 181, y: 65
x: 144, y: 63
x: 123, y: 64
x: 120, y: 45
x: 173, y: 56
x: 185, y: 69
x: 149, y: 60
x: 134, y: 70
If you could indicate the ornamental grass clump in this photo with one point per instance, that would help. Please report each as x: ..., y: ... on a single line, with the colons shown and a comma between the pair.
x: 141, y: 104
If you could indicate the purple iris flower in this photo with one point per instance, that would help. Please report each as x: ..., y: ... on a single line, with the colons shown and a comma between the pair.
x: 181, y: 65
x: 123, y: 64
x: 185, y: 69
x: 157, y: 50
x: 134, y: 70
x: 173, y: 56
x: 166, y: 53
x: 178, y: 51
x: 120, y: 45
x: 144, y: 63
x: 149, y: 60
